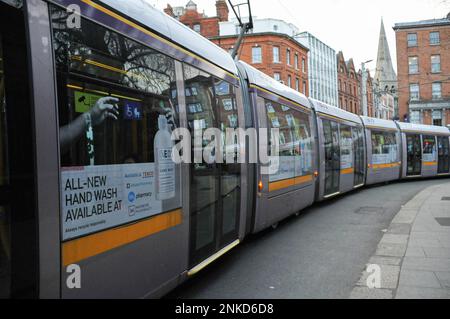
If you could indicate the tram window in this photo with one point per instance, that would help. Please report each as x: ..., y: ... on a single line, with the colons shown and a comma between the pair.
x: 429, y: 148
x: 384, y: 147
x: 117, y: 108
x: 295, y: 140
x: 5, y: 226
x: 346, y: 144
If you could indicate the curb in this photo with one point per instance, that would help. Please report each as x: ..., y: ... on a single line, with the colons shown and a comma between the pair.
x: 391, y: 252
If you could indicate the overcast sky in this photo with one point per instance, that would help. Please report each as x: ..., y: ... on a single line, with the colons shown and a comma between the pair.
x: 352, y: 26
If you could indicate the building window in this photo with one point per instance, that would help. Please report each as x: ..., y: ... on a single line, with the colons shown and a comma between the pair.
x: 256, y: 55
x: 437, y: 91
x: 413, y: 65
x: 288, y: 57
x: 304, y: 87
x: 437, y: 117
x: 197, y: 28
x: 414, y: 92
x: 435, y: 63
x: 297, y: 85
x: 277, y: 76
x: 415, y: 117
x: 412, y: 39
x: 435, y: 38
x: 276, y: 55
x: 303, y: 65
x: 340, y: 85
x: 289, y: 81
x: 296, y: 61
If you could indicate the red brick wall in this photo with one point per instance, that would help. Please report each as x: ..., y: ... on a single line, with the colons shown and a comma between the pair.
x: 349, y: 99
x: 423, y: 51
x: 267, y: 42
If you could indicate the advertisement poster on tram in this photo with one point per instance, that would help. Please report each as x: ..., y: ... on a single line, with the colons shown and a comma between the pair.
x: 95, y: 198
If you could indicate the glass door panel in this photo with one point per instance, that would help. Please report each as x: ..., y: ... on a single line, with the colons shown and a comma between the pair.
x: 443, y: 155
x: 332, y: 157
x: 215, y: 186
x: 414, y: 155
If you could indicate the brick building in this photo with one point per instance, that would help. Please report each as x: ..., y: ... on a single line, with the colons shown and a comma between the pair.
x: 270, y: 47
x: 348, y: 85
x: 423, y: 58
x: 199, y: 22
x: 277, y: 55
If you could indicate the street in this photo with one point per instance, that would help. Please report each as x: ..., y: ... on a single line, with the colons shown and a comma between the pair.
x: 319, y: 254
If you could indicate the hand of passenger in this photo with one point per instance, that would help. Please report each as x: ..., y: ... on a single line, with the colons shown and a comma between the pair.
x: 105, y: 107
x: 168, y: 113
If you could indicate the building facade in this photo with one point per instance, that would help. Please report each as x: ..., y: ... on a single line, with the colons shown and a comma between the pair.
x: 423, y: 57
x: 199, y: 22
x: 270, y: 48
x: 348, y: 85
x: 370, y: 94
x: 322, y: 72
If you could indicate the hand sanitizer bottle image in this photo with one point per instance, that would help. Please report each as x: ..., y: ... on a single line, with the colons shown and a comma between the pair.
x: 164, y: 166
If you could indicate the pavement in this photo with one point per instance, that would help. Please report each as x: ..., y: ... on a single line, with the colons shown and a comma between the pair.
x: 412, y: 260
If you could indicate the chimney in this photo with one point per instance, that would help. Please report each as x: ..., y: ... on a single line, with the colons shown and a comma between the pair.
x: 222, y: 10
x: 169, y: 11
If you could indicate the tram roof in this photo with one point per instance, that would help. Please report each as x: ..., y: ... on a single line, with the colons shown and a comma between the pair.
x: 172, y: 29
x: 333, y: 111
x: 420, y: 128
x: 268, y: 83
x: 371, y: 122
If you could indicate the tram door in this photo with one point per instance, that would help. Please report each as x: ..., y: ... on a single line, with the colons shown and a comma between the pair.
x: 414, y: 154
x: 332, y: 157
x: 215, y: 188
x: 358, y: 145
x: 18, y: 243
x: 444, y: 155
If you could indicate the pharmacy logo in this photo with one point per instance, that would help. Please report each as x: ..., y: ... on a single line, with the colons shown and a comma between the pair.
x: 131, y: 197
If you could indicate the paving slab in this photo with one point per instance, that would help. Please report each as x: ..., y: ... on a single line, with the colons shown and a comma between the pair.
x: 444, y: 279
x: 382, y: 260
x: 407, y: 292
x: 415, y: 252
x: 389, y: 277
x: 417, y: 278
x: 436, y: 252
x: 395, y: 239
x: 400, y: 229
x: 427, y: 264
x: 366, y: 293
x: 391, y: 250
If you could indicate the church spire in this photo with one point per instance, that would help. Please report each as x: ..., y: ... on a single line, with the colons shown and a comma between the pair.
x: 385, y: 73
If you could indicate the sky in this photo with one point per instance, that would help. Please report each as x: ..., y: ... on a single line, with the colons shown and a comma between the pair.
x: 351, y: 26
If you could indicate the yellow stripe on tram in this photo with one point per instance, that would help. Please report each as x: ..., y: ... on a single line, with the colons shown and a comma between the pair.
x: 347, y: 171
x: 275, y: 186
x: 430, y: 163
x: 83, y: 248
